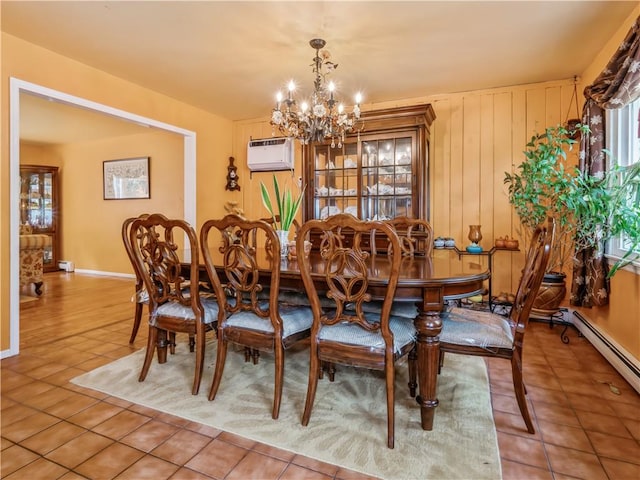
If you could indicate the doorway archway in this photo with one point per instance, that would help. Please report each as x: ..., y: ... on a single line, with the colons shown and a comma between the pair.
x: 16, y: 88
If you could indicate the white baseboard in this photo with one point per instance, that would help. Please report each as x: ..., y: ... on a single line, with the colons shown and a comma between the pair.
x: 105, y: 274
x: 625, y: 363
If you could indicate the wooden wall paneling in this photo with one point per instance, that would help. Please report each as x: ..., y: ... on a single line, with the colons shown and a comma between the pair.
x: 536, y: 112
x: 470, y: 171
x: 553, y: 107
x: 519, y: 137
x: 453, y: 228
x: 503, y: 124
x: 440, y: 168
x: 487, y: 167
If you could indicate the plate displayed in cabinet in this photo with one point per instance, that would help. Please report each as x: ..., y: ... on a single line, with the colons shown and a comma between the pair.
x: 328, y: 211
x: 352, y: 210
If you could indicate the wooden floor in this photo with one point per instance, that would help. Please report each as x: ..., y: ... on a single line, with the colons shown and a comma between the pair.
x: 53, y: 429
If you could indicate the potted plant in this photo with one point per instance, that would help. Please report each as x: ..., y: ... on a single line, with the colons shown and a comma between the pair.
x: 287, y: 210
x: 587, y: 210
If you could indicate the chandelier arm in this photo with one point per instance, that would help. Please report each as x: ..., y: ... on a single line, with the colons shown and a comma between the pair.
x: 320, y: 120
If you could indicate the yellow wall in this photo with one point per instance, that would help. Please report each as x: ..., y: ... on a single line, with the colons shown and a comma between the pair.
x: 90, y: 236
x: 33, y: 154
x: 34, y: 64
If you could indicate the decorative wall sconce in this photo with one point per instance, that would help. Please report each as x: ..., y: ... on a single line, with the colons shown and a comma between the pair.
x: 232, y: 176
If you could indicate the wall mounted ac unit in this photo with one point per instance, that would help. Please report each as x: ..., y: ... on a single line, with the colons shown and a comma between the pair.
x: 270, y: 154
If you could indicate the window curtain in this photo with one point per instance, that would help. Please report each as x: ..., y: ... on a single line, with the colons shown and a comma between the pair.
x: 616, y: 86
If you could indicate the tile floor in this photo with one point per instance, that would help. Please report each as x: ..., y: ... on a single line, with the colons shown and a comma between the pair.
x: 52, y: 429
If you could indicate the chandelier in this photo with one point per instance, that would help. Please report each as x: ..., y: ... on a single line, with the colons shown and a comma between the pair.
x: 319, y: 118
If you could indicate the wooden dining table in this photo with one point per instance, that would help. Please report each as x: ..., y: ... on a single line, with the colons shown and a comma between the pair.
x: 428, y: 282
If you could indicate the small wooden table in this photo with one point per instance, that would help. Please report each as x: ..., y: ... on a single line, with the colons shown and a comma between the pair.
x: 426, y: 281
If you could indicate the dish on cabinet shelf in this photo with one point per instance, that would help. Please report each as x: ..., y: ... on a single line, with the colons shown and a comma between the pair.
x: 322, y: 191
x: 328, y: 211
x: 333, y: 192
x: 352, y: 210
x: 380, y: 189
x: 380, y: 218
x: 402, y: 191
x: 350, y: 191
x: 348, y: 163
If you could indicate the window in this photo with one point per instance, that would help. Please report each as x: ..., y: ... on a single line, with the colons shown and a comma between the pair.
x: 623, y: 141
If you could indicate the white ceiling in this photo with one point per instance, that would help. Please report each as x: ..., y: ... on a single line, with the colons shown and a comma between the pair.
x: 230, y: 58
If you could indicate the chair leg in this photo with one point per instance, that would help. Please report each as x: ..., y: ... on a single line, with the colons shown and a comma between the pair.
x: 161, y: 345
x: 314, y: 371
x: 136, y: 321
x: 518, y: 386
x: 200, y: 348
x: 192, y: 342
x: 440, y: 361
x: 220, y: 359
x: 279, y: 374
x: 38, y: 287
x: 390, y: 379
x: 148, y: 357
x: 171, y: 342
x: 413, y: 383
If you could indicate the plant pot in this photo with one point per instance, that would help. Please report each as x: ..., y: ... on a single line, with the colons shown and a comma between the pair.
x: 551, y: 294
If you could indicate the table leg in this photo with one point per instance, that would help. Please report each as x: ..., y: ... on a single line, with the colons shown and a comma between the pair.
x: 428, y: 326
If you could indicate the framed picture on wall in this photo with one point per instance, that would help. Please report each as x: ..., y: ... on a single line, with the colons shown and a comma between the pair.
x: 126, y: 179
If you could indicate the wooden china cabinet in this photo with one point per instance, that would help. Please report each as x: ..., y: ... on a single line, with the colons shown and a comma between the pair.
x: 381, y: 172
x: 39, y: 207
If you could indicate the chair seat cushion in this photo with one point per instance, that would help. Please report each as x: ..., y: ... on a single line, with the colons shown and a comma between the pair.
x: 141, y: 296
x: 398, y: 309
x: 462, y: 326
x: 301, y: 298
x: 177, y: 310
x: 350, y: 333
x: 294, y: 319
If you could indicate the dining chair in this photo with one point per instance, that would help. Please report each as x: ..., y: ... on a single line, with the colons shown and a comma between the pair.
x: 175, y: 301
x: 140, y: 296
x: 346, y: 334
x: 416, y: 236
x: 248, y: 319
x: 483, y: 333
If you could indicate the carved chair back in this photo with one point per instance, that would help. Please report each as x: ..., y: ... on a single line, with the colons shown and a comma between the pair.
x: 345, y: 333
x: 160, y: 246
x: 416, y: 236
x: 141, y: 296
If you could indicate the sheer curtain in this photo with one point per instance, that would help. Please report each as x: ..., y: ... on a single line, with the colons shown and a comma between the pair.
x: 616, y: 86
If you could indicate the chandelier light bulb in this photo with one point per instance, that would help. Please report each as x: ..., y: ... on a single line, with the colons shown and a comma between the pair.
x: 317, y: 120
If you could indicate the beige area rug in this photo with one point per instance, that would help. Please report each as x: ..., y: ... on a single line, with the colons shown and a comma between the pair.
x: 348, y: 421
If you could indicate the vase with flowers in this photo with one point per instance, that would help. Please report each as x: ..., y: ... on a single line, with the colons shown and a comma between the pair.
x: 287, y: 209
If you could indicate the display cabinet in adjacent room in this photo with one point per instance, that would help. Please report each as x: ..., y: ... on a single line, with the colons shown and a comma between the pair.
x: 39, y: 207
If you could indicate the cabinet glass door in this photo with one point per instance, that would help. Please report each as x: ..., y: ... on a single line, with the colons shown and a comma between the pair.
x: 36, y: 200
x: 336, y: 181
x: 387, y: 178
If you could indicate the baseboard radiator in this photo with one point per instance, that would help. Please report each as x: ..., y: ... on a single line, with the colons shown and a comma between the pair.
x: 616, y: 355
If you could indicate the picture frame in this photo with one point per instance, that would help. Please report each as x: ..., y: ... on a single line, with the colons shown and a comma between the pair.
x: 126, y: 178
